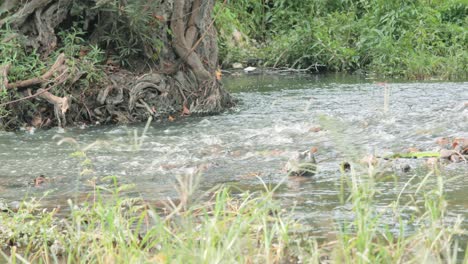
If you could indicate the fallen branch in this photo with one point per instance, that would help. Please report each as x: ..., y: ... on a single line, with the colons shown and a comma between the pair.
x: 9, y: 38
x: 60, y: 102
x: 26, y: 97
x: 60, y: 79
x: 315, y: 65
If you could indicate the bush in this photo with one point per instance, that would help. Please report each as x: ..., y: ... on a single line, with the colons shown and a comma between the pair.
x: 415, y: 39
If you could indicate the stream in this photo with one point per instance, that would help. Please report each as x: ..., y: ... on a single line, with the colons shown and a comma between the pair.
x: 345, y: 117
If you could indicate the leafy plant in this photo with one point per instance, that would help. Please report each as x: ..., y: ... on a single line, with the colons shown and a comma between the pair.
x: 129, y: 29
x: 415, y: 39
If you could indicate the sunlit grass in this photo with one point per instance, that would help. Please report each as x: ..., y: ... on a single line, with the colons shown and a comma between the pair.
x: 223, y: 228
x: 226, y: 228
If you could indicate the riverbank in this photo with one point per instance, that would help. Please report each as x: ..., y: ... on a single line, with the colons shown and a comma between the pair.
x: 409, y: 39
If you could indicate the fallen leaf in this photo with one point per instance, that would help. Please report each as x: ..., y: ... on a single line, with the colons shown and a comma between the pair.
x: 218, y: 75
x: 39, y: 180
x: 159, y: 17
x: 413, y: 150
x: 170, y: 118
x: 185, y: 110
x: 159, y: 258
x: 315, y: 129
x: 442, y: 141
x: 460, y: 141
x: 37, y: 120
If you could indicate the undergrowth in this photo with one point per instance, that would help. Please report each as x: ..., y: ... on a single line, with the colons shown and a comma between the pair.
x: 412, y: 39
x: 222, y: 227
x: 82, y: 59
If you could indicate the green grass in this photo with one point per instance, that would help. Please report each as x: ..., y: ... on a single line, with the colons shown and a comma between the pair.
x: 418, y: 39
x: 225, y: 228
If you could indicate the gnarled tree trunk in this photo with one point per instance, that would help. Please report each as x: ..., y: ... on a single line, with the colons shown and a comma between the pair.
x: 181, y: 80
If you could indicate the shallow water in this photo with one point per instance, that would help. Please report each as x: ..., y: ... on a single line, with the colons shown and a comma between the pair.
x: 276, y: 116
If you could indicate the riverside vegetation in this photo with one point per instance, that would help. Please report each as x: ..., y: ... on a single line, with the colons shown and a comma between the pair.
x: 73, y: 62
x: 223, y: 226
x: 417, y: 39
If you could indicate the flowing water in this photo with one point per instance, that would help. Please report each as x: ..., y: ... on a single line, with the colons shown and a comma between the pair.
x: 345, y: 117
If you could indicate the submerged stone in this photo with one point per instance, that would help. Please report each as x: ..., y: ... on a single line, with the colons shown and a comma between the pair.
x: 303, y: 164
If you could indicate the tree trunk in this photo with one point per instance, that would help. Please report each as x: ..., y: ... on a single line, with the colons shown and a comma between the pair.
x: 181, y: 80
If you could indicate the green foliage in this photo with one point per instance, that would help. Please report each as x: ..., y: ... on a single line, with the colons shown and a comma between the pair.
x: 25, y: 64
x: 233, y: 43
x: 112, y: 229
x: 415, y: 39
x: 130, y: 29
x: 248, y: 227
x: 82, y: 57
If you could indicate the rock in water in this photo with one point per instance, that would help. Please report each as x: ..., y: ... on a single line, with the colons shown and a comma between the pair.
x: 303, y: 164
x: 249, y: 69
x: 237, y: 65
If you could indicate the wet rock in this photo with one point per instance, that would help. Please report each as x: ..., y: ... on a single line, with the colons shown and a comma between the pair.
x: 446, y: 153
x: 14, y: 206
x: 38, y: 181
x: 303, y: 164
x: 9, y: 206
x: 406, y: 168
x: 455, y: 158
x: 237, y: 65
x: 315, y: 129
x: 249, y: 69
x: 345, y: 166
x: 3, y: 206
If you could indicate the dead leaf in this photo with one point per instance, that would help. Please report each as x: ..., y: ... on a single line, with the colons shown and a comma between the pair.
x: 36, y: 121
x: 315, y: 129
x: 159, y: 17
x: 218, y: 75
x: 442, y: 141
x: 171, y: 118
x: 65, y: 105
x: 463, y: 142
x: 185, y: 110
x: 413, y: 150
x: 39, y: 180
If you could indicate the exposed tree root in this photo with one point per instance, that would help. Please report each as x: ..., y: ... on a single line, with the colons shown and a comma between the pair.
x: 185, y: 82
